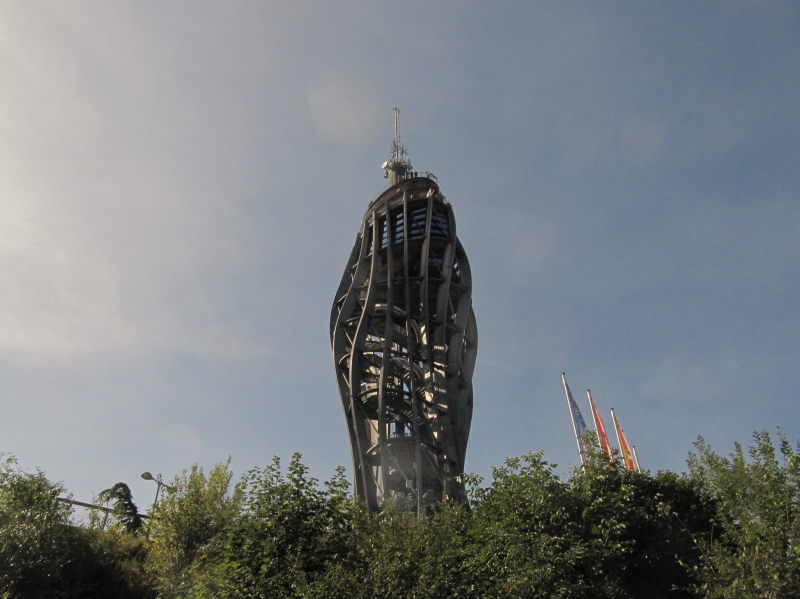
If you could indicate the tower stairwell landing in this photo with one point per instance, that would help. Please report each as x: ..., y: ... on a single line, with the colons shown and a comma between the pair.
x: 404, y: 343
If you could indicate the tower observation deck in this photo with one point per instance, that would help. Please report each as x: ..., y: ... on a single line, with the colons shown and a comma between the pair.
x: 404, y: 343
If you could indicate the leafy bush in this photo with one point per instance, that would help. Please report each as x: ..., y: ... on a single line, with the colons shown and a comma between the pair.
x: 195, y: 510
x: 727, y: 530
x: 291, y: 538
x: 35, y: 539
x: 44, y: 555
x: 754, y: 549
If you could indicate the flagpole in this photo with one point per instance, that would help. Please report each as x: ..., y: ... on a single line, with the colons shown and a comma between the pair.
x: 636, y: 458
x: 572, y: 418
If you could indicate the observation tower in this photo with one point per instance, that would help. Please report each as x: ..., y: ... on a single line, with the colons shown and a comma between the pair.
x: 404, y: 343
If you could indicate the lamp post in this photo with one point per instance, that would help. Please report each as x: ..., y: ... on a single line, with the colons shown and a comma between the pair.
x: 159, y: 482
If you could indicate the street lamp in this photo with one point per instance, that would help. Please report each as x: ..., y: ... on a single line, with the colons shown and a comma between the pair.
x: 159, y: 482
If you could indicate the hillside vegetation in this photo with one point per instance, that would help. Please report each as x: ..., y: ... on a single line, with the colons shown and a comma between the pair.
x: 728, y: 528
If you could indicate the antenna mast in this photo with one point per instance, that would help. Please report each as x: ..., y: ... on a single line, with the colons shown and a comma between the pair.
x: 398, y: 150
x: 398, y: 166
x: 396, y: 111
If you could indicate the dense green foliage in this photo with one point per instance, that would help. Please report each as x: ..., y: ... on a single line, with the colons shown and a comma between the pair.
x: 43, y: 555
x: 727, y: 529
x: 754, y: 550
x: 604, y: 533
x: 198, y: 510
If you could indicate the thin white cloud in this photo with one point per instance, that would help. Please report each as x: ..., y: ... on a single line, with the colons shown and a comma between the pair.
x: 116, y: 184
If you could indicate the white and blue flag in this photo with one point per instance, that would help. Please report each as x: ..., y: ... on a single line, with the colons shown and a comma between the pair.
x: 578, y: 423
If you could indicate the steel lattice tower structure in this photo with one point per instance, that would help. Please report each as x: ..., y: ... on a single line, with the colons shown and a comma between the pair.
x: 404, y: 344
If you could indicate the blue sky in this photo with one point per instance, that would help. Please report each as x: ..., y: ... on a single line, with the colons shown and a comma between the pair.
x: 181, y: 184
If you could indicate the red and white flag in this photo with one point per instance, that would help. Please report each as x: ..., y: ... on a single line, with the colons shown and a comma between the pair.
x: 578, y: 424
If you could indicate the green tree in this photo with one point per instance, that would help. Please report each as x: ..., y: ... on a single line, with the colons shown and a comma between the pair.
x: 293, y: 538
x: 195, y: 510
x: 44, y: 555
x: 415, y: 557
x: 754, y: 550
x: 606, y: 532
x: 34, y: 532
x: 639, y: 529
x: 125, y: 509
x: 528, y: 535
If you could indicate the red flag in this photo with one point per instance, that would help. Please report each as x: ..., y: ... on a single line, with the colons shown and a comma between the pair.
x: 624, y: 448
x: 602, y: 436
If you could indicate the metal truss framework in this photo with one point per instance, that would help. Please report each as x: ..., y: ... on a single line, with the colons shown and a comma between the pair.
x: 404, y: 343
